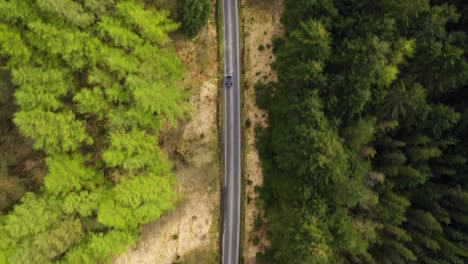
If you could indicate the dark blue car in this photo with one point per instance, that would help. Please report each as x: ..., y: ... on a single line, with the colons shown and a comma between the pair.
x: 228, y: 81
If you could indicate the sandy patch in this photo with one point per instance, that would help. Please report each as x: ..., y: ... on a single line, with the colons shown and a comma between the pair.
x: 190, y: 233
x: 261, y: 22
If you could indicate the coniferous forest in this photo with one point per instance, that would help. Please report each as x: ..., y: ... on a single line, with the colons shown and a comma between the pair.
x: 88, y: 85
x: 365, y: 159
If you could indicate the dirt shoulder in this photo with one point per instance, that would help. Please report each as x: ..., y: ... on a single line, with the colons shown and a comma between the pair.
x: 190, y: 233
x: 261, y: 22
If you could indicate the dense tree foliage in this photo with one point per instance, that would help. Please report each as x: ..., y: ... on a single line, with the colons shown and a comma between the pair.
x: 365, y: 157
x: 94, y: 83
x: 195, y: 14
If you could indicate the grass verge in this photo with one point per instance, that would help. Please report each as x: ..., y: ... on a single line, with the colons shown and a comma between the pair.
x: 220, y: 117
x: 243, y: 141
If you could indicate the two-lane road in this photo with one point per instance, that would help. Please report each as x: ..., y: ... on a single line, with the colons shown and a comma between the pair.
x: 232, y: 137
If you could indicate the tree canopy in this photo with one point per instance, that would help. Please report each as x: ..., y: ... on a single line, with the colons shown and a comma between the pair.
x: 365, y: 154
x: 94, y: 82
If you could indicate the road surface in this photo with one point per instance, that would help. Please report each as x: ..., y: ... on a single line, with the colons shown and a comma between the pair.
x: 232, y: 137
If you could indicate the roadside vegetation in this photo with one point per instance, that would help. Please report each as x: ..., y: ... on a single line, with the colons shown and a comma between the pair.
x: 195, y: 14
x: 87, y: 87
x: 365, y: 155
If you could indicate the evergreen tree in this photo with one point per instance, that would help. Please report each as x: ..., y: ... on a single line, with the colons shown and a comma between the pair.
x: 95, y: 83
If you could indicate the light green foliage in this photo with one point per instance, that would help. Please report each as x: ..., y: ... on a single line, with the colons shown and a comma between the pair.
x: 19, y: 11
x: 153, y: 26
x: 96, y: 82
x: 146, y: 93
x: 68, y: 173
x: 134, y: 151
x: 49, y: 245
x: 120, y: 36
x: 12, y: 46
x: 52, y: 132
x: 91, y: 102
x: 33, y: 216
x: 121, y: 119
x: 68, y: 9
x: 118, y: 61
x: 99, y: 247
x: 159, y: 66
x: 195, y: 14
x: 98, y: 76
x: 97, y: 7
x: 85, y: 203
x: 136, y: 201
x: 40, y: 88
x: 73, y: 46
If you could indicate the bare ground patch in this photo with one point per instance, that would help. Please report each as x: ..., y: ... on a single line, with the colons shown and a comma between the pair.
x: 190, y: 233
x: 261, y: 22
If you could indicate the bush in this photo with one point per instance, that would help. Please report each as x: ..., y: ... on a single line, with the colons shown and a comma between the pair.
x: 248, y: 123
x: 195, y: 13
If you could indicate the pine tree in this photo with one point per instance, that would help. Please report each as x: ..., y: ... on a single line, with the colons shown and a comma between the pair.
x: 33, y: 216
x: 134, y: 151
x: 70, y: 10
x: 136, y: 201
x: 49, y: 245
x: 40, y: 88
x: 99, y: 247
x: 91, y: 102
x: 83, y: 72
x: 68, y: 173
x: 151, y: 25
x: 120, y: 36
x: 52, y: 132
x: 424, y: 221
x: 13, y: 47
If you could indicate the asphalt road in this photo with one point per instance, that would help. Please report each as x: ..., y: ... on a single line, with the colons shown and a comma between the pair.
x: 232, y: 137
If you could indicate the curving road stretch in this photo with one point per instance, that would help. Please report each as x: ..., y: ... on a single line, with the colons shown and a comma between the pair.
x: 232, y: 137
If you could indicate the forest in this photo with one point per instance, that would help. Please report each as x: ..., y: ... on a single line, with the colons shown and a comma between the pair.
x: 86, y: 88
x: 365, y: 157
